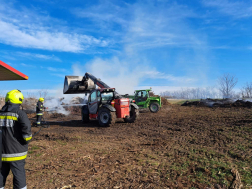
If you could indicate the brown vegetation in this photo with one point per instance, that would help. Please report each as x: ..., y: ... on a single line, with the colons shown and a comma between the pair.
x: 164, y: 101
x: 2, y: 102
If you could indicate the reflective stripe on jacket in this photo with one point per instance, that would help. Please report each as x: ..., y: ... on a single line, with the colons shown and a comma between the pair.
x: 16, y: 130
x: 14, y: 157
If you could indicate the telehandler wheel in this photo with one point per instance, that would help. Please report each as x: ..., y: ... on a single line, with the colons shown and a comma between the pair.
x: 85, y: 118
x: 106, y: 117
x: 154, y: 107
x: 134, y: 114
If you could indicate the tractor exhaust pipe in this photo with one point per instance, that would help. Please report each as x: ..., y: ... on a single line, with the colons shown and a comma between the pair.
x: 76, y: 84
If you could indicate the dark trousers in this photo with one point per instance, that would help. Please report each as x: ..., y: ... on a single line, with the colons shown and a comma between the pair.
x: 39, y: 119
x: 18, y: 171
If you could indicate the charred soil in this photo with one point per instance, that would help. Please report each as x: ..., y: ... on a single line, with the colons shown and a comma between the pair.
x: 178, y: 147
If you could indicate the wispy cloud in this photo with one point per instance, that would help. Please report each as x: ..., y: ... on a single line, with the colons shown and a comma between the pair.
x: 19, y: 28
x: 53, y: 69
x: 106, y: 15
x: 56, y: 69
x: 15, y: 35
x: 169, y: 77
x: 8, y: 57
x: 143, y: 25
x: 237, y: 9
x: 162, y: 26
x: 28, y: 65
x: 38, y: 56
x: 59, y: 75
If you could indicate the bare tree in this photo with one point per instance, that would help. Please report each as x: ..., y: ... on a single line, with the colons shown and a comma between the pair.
x: 246, y: 91
x: 192, y: 93
x: 227, y: 83
x: 30, y: 95
x: 43, y: 93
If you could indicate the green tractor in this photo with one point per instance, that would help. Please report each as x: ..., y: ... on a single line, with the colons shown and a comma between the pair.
x: 143, y: 99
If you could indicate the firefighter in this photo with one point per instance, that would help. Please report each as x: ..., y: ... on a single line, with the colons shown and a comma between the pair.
x: 16, y: 134
x: 39, y: 111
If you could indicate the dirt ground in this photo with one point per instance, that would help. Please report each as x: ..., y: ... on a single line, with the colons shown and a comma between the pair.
x: 178, y: 147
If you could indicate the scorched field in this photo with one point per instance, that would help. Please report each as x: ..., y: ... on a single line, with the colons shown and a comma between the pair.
x: 178, y: 147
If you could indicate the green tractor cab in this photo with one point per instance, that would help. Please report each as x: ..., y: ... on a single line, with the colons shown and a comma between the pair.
x: 143, y: 99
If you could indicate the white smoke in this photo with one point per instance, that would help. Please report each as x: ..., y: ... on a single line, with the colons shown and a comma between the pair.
x: 247, y: 99
x: 55, y: 105
x: 125, y: 76
x: 113, y: 72
x: 58, y: 104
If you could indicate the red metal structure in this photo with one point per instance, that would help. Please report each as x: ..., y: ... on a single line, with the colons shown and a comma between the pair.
x: 105, y: 106
x: 9, y: 73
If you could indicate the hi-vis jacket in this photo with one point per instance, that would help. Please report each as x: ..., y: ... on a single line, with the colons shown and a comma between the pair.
x: 39, y: 108
x: 16, y: 130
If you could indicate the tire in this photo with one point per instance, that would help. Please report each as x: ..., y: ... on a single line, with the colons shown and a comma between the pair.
x: 134, y: 114
x: 85, y: 118
x: 154, y: 107
x: 106, y: 117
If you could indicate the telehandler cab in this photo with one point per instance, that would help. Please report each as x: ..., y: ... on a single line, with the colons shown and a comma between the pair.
x: 104, y: 106
x: 143, y: 99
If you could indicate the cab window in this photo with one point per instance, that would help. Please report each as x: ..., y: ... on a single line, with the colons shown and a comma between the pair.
x: 139, y: 94
x: 93, y: 96
x: 144, y: 94
x: 107, y: 95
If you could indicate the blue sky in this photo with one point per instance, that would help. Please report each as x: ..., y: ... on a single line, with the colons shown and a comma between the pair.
x: 163, y: 44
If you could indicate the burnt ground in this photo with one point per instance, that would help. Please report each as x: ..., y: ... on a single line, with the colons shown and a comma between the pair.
x: 178, y: 147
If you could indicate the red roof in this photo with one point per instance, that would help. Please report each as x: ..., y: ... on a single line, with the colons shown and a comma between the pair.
x: 9, y: 73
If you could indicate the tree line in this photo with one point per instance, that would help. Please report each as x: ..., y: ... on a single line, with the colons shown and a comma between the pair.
x: 224, y: 89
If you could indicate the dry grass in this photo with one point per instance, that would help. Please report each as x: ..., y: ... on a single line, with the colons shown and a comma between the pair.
x: 175, y: 101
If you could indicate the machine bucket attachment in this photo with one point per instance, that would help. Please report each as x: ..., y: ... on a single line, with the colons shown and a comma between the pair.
x: 76, y: 84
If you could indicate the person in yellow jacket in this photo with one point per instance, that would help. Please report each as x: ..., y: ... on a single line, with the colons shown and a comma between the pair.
x: 39, y: 110
x: 16, y: 134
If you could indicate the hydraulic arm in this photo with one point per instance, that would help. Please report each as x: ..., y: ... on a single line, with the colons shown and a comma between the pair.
x: 85, y: 84
x: 96, y: 81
